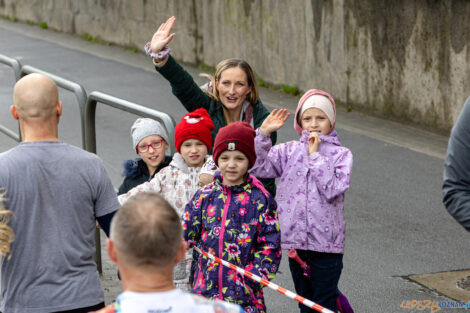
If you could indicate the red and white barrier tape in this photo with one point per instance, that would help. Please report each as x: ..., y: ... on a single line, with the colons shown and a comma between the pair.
x: 267, y: 283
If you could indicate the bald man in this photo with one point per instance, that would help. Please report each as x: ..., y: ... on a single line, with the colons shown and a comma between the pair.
x: 56, y: 193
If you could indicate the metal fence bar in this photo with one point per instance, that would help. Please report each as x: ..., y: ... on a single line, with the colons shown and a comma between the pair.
x: 16, y: 66
x: 75, y: 88
x: 96, y: 96
x: 13, y: 63
x: 10, y: 133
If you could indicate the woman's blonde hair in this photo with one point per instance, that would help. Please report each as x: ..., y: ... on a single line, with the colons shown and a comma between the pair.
x: 252, y: 97
x: 6, y: 233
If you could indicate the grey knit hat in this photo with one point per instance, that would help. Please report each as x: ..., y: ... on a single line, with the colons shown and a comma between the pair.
x: 144, y: 127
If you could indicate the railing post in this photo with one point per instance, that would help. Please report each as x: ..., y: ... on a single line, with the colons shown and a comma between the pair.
x: 13, y: 63
x: 96, y: 96
x: 16, y: 66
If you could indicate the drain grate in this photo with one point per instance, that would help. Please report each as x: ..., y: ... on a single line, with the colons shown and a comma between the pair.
x: 453, y: 284
x: 464, y: 283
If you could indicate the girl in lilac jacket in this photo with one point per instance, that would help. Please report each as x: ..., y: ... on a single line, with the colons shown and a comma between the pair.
x: 314, y: 175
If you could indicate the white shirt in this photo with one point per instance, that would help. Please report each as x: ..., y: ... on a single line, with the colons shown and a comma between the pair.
x: 173, y: 301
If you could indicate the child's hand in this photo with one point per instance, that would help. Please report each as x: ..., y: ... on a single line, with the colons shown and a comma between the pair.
x: 314, y: 142
x: 162, y: 36
x: 274, y: 121
x: 205, y: 179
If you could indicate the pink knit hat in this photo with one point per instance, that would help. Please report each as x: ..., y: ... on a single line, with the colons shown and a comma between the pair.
x: 304, y: 98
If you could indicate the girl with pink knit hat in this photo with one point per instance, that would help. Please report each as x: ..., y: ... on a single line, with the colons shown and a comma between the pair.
x: 314, y: 176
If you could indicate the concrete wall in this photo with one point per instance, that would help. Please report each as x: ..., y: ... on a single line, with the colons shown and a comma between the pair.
x: 404, y: 59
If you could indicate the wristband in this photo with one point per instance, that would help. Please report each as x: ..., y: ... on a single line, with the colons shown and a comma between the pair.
x: 160, y: 55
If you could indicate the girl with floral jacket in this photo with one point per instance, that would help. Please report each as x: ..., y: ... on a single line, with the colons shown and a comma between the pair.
x: 235, y: 219
x: 314, y: 176
x: 178, y: 182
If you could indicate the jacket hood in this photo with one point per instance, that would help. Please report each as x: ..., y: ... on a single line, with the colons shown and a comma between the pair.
x: 330, y: 138
x: 249, y: 183
x: 302, y: 100
x: 179, y: 163
x: 134, y: 168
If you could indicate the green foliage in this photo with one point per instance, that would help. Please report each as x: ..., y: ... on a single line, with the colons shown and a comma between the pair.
x: 133, y: 49
x: 90, y: 38
x: 205, y: 68
x: 9, y: 18
x: 29, y: 22
x: 291, y: 90
x: 43, y: 25
x: 261, y: 82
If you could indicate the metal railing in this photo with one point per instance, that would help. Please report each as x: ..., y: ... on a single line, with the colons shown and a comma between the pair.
x: 16, y: 66
x: 96, y: 97
x: 87, y: 109
x: 13, y: 63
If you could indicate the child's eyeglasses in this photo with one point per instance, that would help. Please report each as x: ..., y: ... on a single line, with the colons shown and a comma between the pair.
x: 155, y: 145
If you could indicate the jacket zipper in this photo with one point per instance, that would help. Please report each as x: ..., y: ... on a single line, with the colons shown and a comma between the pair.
x: 221, y: 238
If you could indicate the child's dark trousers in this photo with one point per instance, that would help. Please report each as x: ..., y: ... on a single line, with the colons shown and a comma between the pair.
x: 322, y: 287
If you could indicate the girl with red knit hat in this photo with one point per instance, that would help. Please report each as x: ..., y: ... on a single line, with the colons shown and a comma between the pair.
x: 178, y: 182
x: 235, y: 219
x: 314, y: 176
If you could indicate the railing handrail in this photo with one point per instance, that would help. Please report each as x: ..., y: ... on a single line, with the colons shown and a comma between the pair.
x: 87, y: 109
x: 16, y: 66
x: 13, y: 63
x: 124, y: 105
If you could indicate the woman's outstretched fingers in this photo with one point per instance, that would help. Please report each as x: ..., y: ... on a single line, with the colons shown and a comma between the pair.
x: 162, y: 36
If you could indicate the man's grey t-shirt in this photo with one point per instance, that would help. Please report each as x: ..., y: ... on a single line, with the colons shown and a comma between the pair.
x: 56, y: 191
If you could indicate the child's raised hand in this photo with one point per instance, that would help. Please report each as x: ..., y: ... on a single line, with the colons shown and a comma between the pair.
x: 274, y: 121
x: 162, y: 36
x: 314, y: 142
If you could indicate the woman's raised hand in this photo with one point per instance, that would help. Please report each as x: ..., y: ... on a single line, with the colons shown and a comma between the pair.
x: 162, y: 36
x: 274, y: 121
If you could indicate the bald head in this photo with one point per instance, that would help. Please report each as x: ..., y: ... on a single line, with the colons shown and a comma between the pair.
x: 35, y: 97
x: 147, y: 231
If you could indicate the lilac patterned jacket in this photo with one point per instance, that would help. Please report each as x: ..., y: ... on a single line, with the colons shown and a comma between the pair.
x: 310, y: 193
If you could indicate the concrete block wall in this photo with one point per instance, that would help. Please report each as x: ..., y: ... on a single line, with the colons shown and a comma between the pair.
x: 405, y: 59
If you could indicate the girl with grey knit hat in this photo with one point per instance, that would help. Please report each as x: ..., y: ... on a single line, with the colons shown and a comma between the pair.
x: 150, y: 141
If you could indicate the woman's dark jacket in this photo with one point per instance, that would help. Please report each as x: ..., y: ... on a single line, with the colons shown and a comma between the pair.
x: 192, y: 97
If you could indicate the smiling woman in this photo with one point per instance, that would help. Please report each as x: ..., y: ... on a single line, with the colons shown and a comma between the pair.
x: 232, y: 95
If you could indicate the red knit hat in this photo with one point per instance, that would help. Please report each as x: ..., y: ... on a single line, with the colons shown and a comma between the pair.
x: 194, y: 125
x: 235, y: 136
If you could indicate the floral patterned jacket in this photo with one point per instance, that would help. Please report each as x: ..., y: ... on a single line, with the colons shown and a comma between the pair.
x: 238, y: 224
x: 177, y: 183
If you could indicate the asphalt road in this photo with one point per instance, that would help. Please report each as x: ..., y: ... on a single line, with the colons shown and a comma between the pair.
x: 396, y: 223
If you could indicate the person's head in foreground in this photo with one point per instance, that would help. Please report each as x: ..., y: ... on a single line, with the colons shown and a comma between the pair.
x: 145, y: 242
x: 234, y: 152
x: 37, y: 107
